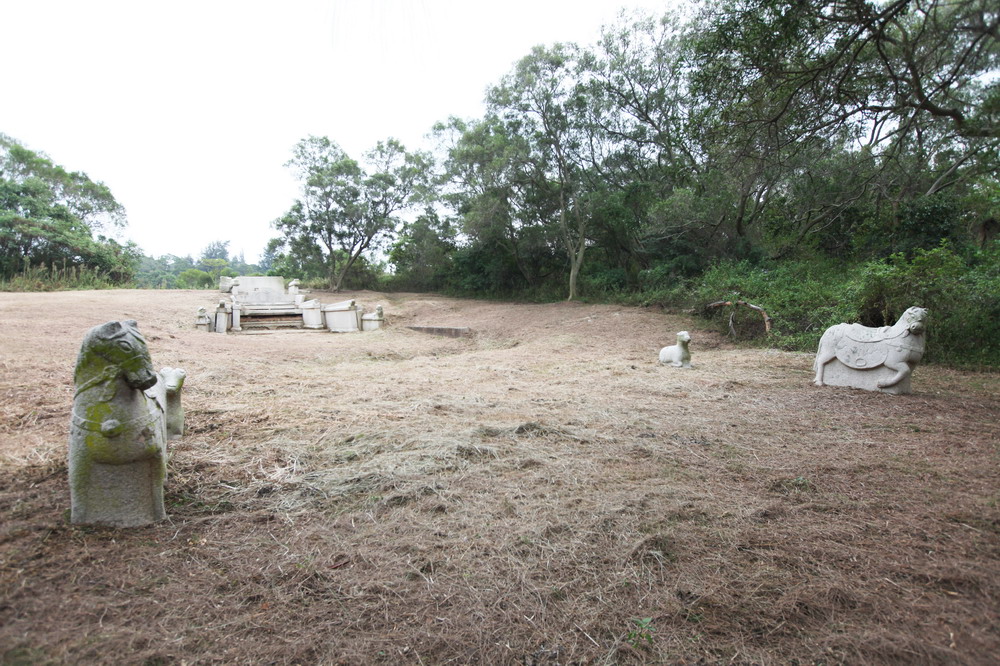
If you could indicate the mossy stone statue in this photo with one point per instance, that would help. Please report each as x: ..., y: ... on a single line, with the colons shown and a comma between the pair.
x: 118, y: 430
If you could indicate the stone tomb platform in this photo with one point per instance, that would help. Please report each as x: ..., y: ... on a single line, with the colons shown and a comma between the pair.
x: 838, y: 374
x: 261, y: 302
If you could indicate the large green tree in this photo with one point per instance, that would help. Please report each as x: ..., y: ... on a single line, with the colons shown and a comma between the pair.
x: 861, y: 62
x: 543, y: 104
x: 813, y: 108
x: 489, y: 184
x: 50, y: 216
x: 345, y: 210
x: 421, y: 255
x: 644, y: 155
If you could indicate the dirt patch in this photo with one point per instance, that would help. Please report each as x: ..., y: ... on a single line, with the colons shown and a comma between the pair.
x: 541, y: 491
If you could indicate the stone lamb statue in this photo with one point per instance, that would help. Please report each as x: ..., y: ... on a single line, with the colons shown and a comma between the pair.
x: 172, y: 381
x: 874, y: 359
x: 677, y: 355
x: 119, y: 429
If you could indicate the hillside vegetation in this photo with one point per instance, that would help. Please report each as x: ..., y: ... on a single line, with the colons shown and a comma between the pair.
x: 826, y: 161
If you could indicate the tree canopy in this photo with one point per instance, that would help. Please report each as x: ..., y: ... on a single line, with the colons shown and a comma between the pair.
x: 345, y: 210
x: 53, y: 217
x: 740, y: 137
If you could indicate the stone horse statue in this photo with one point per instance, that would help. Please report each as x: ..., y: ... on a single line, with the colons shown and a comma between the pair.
x: 859, y: 348
x: 118, y: 430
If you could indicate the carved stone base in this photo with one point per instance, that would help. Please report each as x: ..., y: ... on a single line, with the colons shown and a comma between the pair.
x: 120, y: 495
x: 838, y: 374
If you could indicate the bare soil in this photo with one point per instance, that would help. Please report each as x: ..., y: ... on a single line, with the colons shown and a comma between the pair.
x: 542, y: 492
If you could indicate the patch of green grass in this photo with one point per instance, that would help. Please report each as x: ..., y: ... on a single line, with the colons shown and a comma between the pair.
x: 24, y: 656
x: 796, y: 485
x: 641, y: 633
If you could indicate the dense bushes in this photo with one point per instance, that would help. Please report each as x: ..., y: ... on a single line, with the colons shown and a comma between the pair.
x: 803, y: 298
x: 54, y: 278
x: 962, y: 294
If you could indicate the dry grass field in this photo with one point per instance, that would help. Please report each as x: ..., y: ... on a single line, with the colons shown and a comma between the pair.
x: 542, y: 492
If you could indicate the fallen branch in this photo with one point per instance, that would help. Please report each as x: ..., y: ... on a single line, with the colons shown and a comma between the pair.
x: 732, y: 330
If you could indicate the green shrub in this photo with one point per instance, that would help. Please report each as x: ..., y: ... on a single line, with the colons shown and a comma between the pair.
x: 804, y: 298
x: 53, y: 278
x: 606, y: 280
x: 963, y: 297
x: 194, y: 278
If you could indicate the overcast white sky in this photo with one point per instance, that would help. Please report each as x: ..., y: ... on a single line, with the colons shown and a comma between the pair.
x: 188, y: 110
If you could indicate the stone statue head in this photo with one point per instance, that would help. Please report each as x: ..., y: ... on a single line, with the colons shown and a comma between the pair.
x: 120, y: 345
x: 916, y: 320
x: 173, y: 378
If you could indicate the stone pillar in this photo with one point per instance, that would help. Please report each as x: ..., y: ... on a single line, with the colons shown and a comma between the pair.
x: 312, y: 315
x: 221, y: 319
x: 373, y: 320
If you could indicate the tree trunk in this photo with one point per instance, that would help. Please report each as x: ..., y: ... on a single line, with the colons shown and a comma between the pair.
x: 351, y: 258
x: 575, y: 248
x: 576, y: 262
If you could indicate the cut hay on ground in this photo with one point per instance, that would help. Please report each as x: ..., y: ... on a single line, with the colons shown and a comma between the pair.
x: 540, y: 492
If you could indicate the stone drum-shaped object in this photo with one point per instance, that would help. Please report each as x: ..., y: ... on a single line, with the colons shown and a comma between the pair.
x: 874, y: 359
x: 118, y: 430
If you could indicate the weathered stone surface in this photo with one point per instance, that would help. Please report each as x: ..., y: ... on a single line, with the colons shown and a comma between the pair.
x: 372, y: 321
x: 226, y: 284
x: 342, y: 317
x: 874, y: 359
x: 312, y: 315
x: 447, y: 331
x: 259, y: 289
x: 221, y: 318
x: 677, y: 356
x: 173, y: 381
x: 202, y: 321
x: 837, y: 374
x: 117, y: 454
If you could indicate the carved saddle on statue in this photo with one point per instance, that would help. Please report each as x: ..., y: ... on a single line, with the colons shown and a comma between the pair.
x: 862, y: 347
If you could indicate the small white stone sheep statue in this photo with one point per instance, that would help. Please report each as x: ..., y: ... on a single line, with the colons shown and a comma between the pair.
x: 677, y: 355
x: 170, y: 385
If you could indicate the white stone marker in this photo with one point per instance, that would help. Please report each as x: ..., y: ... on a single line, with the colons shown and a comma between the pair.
x: 341, y: 317
x: 677, y: 355
x: 312, y: 315
x: 221, y: 318
x: 202, y: 321
x: 373, y: 321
